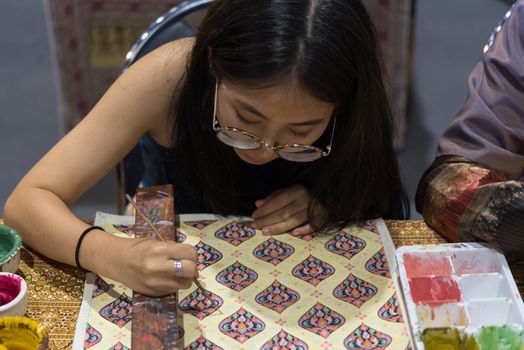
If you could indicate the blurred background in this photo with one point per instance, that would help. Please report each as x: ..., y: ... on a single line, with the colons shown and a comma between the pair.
x: 58, y: 56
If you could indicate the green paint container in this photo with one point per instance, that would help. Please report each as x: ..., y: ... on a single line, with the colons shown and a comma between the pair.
x: 448, y: 339
x: 10, y: 244
x: 500, y: 338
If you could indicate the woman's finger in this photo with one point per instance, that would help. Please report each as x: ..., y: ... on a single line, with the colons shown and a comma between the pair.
x: 277, y: 216
x: 290, y: 223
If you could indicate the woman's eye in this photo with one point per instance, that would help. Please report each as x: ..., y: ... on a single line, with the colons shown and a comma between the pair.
x: 244, y: 120
x: 300, y: 133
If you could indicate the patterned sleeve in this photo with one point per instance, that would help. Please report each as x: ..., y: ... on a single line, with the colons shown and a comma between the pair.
x: 466, y: 201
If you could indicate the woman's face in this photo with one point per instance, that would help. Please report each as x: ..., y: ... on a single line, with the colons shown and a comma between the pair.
x: 279, y: 115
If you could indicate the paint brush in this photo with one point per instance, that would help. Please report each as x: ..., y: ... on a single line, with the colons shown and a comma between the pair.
x: 160, y: 237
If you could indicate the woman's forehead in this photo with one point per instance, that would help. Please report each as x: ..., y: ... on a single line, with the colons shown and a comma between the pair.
x: 289, y: 100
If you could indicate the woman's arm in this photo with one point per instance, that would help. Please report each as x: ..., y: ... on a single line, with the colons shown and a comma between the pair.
x: 137, y: 103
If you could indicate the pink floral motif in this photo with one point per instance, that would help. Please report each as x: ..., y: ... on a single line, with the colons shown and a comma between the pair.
x: 368, y: 225
x: 355, y: 291
x: 119, y: 346
x: 345, y: 244
x: 202, y: 344
x: 242, y: 325
x: 284, y: 341
x: 307, y: 237
x: 391, y: 311
x: 200, y: 225
x: 200, y: 304
x: 235, y: 233
x: 126, y: 229
x: 180, y: 237
x: 92, y: 337
x: 118, y: 311
x: 237, y: 276
x: 277, y: 297
x: 101, y: 287
x: 378, y: 264
x: 365, y: 337
x: 313, y: 270
x: 273, y: 251
x: 207, y: 255
x: 321, y: 320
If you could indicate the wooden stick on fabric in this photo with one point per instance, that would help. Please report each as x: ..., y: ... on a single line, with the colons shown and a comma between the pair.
x: 160, y: 236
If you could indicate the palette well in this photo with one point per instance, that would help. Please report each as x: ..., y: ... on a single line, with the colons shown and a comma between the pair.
x: 460, y: 296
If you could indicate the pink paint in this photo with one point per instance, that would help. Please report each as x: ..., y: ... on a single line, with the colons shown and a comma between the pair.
x: 434, y: 290
x: 10, y: 286
x: 426, y: 264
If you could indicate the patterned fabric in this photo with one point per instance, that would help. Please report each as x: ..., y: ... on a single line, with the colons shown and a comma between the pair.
x: 467, y: 202
x: 322, y: 291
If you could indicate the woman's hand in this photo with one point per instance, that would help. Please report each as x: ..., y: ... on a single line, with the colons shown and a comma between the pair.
x: 283, y: 211
x: 147, y: 266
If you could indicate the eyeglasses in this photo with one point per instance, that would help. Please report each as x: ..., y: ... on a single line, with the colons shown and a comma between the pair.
x: 245, y: 140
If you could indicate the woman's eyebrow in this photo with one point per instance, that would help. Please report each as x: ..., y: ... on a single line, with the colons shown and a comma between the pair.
x: 253, y: 110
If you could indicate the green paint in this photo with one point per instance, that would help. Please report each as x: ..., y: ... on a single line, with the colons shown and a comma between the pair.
x: 500, y: 338
x: 9, y: 243
x: 448, y: 339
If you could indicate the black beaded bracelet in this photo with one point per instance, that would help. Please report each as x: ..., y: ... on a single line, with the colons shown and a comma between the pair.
x: 79, y: 244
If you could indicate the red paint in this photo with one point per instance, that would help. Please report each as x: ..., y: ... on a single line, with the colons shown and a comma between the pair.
x: 426, y: 264
x: 434, y: 290
x: 9, y: 288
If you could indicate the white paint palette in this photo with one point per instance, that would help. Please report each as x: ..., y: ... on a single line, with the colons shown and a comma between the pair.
x: 461, y: 293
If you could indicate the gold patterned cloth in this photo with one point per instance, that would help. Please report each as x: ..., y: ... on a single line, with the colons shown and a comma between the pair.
x: 55, y: 290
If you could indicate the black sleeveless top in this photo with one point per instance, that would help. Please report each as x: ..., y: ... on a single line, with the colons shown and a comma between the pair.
x: 258, y: 182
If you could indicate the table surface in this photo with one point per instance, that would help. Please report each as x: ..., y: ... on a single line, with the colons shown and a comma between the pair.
x: 55, y: 289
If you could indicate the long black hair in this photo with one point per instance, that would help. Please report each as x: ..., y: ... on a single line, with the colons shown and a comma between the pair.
x: 330, y: 48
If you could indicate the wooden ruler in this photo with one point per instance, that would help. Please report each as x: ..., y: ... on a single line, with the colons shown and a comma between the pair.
x: 155, y: 320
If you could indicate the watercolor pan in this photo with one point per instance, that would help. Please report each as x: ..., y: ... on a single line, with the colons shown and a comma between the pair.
x: 457, y: 291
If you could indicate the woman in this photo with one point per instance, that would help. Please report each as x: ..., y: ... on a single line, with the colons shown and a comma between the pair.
x: 474, y: 189
x: 292, y: 89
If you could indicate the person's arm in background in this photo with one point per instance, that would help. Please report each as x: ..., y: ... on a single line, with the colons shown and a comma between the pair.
x: 474, y: 189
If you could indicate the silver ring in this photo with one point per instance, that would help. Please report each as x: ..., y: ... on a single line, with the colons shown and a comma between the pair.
x: 178, y: 267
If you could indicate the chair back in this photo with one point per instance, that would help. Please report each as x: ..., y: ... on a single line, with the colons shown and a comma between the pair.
x: 179, y: 22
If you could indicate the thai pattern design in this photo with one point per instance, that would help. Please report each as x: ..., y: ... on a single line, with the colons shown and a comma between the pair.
x: 277, y: 297
x: 390, y: 311
x: 92, y: 337
x: 237, y: 276
x: 241, y: 325
x: 235, y: 233
x: 368, y: 225
x: 203, y: 344
x: 284, y: 341
x: 100, y: 287
x: 270, y: 292
x: 119, y: 346
x: 200, y: 304
x: 273, y: 251
x: 378, y: 264
x: 345, y: 244
x: 365, y: 337
x: 313, y: 270
x: 355, y: 291
x: 128, y: 230
x: 321, y: 320
x: 207, y: 255
x: 200, y: 225
x: 118, y: 311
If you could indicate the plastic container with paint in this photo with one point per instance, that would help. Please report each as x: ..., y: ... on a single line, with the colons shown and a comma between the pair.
x: 13, y: 295
x: 458, y: 296
x: 22, y: 333
x: 10, y: 244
